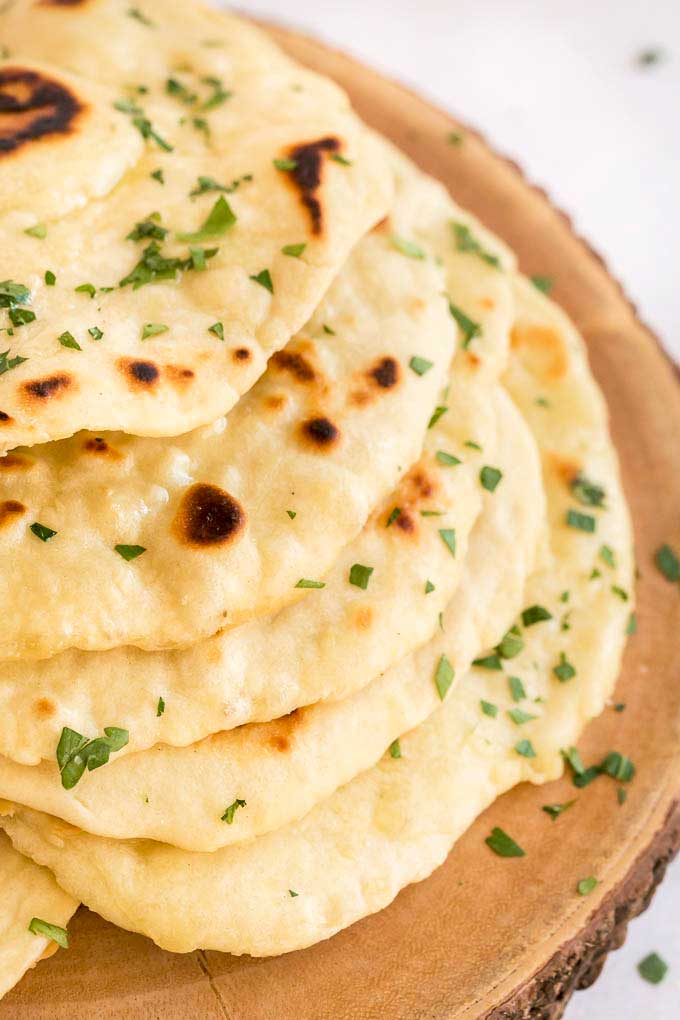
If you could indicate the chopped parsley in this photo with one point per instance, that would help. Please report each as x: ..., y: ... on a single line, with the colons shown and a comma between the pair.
x: 7, y: 363
x: 490, y: 477
x: 668, y: 563
x: 95, y: 332
x: 264, y: 279
x: 49, y: 931
x: 438, y: 413
x: 160, y: 708
x: 39, y: 231
x: 395, y: 749
x: 218, y: 329
x: 631, y: 627
x: 465, y: 241
x: 517, y: 692
x: 582, y: 522
x: 50, y: 278
x: 467, y: 326
x: 454, y: 138
x: 511, y: 644
x: 608, y: 556
x: 67, y: 339
x: 653, y: 968
x: 134, y: 12
x: 488, y: 662
x: 443, y: 677
x: 205, y: 184
x: 219, y: 220
x: 535, y: 614
x: 285, y: 164
x: 519, y: 716
x: 620, y: 593
x: 488, y: 708
x: 142, y: 123
x: 407, y: 247
x: 503, y: 845
x: 158, y: 175
x: 447, y: 459
x: 393, y: 516
x: 21, y: 316
x: 129, y: 552
x: 292, y: 514
x: 148, y: 228
x: 555, y: 810
x: 75, y: 753
x: 542, y: 283
x: 294, y: 251
x: 86, y: 288
x: 12, y: 294
x: 564, y: 670
x: 228, y: 815
x: 448, y: 537
x: 219, y: 94
x: 292, y: 893
x: 420, y: 365
x: 429, y: 587
x: 472, y: 445
x: 586, y: 492
x: 337, y: 157
x: 153, y: 329
x: 525, y: 748
x: 587, y: 885
x: 305, y: 583
x: 42, y: 532
x: 359, y: 575
x: 618, y: 767
x: 154, y: 266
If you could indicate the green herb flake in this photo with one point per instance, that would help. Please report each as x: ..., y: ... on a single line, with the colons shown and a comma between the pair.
x: 49, y: 931
x: 148, y: 228
x: 220, y: 218
x: 668, y: 563
x: 294, y: 251
x: 447, y: 459
x: 7, y: 363
x: 39, y: 231
x: 420, y: 365
x: 407, y: 247
x: 205, y: 184
x: 327, y: 329
x: 154, y: 266
x: 292, y: 893
x: 217, y: 329
x: 95, y: 332
x: 489, y: 478
x: 158, y: 175
x: 42, y: 532
x: 519, y: 716
x: 555, y: 810
x: 542, y: 283
x: 488, y: 708
x: 305, y: 583
x: 50, y: 278
x: 68, y: 340
x: 621, y: 796
x: 393, y: 516
x: 134, y: 12
x: 429, y: 587
x: 395, y: 749
x: 631, y: 626
x: 448, y: 537
x: 582, y: 522
x: 129, y: 552
x: 454, y: 138
x: 564, y: 670
x: 443, y: 677
x: 21, y: 316
x: 219, y: 94
x: 438, y: 413
x: 228, y: 815
x: 153, y: 329
x: 292, y: 514
x: 573, y: 758
x: 608, y: 556
x: 472, y: 445
x: 619, y: 767
x: 465, y: 241
x: 586, y: 492
x: 285, y: 164
x: 12, y: 294
x: 467, y: 326
x: 160, y: 708
x: 511, y: 644
x: 587, y: 885
x: 620, y: 593
x: 653, y: 969
x: 359, y: 575
x: 503, y: 845
x: 337, y: 157
x: 525, y: 748
x: 535, y: 614
x: 264, y: 279
x: 517, y: 691
x: 75, y: 753
x: 488, y: 662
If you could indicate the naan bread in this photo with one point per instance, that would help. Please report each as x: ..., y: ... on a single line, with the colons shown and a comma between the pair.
x: 290, y: 181
x: 281, y: 769
x: 334, y: 423
x: 394, y: 824
x: 27, y: 892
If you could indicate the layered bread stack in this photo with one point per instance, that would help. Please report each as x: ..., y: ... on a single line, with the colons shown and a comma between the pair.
x: 312, y: 540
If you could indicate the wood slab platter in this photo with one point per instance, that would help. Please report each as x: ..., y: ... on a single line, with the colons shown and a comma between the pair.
x: 483, y: 938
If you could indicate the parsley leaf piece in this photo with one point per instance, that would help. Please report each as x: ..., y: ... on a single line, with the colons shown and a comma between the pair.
x: 511, y: 644
x: 564, y: 670
x: 12, y: 294
x: 219, y: 94
x: 409, y: 248
x: 154, y: 266
x: 467, y: 326
x: 146, y: 130
x: 653, y: 968
x: 228, y: 815
x: 454, y: 138
x: 668, y: 563
x: 359, y: 575
x: 587, y: 492
x: 429, y: 587
x: 327, y: 329
x: 470, y: 443
x: 587, y: 885
x: 292, y: 893
x: 618, y: 767
x: 305, y: 583
x: 50, y: 931
x: 21, y: 316
x: 582, y: 522
x: 465, y: 241
x: 395, y: 749
x: 542, y: 283
x: 153, y: 329
x: 158, y: 175
x: 519, y: 716
x: 608, y: 556
x: 205, y: 184
x: 443, y: 677
x: 525, y: 748
x: 517, y: 692
x: 134, y: 12
x: 75, y: 753
x: 7, y: 363
x: 393, y: 516
x: 488, y: 662
x: 67, y: 339
x: 503, y: 845
x: 420, y: 365
x: 42, y: 532
x: 50, y: 278
x: 148, y: 228
x: 86, y: 288
x: 438, y: 413
x: 294, y: 250
x: 39, y: 231
x: 448, y: 537
x: 95, y: 332
x: 218, y: 329
x: 292, y: 514
x: 220, y: 218
x: 285, y: 164
x: 620, y: 593
x: 621, y: 796
x: 535, y: 614
x: 488, y: 708
x: 573, y: 758
x: 447, y: 459
x: 631, y: 627
x: 337, y: 157
x: 555, y: 810
x: 490, y: 477
x: 129, y: 552
x: 160, y: 708
x: 264, y: 279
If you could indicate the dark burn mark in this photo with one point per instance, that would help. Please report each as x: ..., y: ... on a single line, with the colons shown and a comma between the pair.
x: 63, y: 3
x: 405, y: 522
x: 321, y: 432
x: 33, y: 106
x: 15, y: 462
x: 179, y: 375
x: 385, y: 373
x: 45, y: 389
x: 44, y: 708
x: 294, y: 363
x: 10, y: 509
x: 140, y: 374
x: 100, y: 448
x: 420, y: 483
x: 306, y: 176
x: 4, y: 418
x: 241, y: 354
x: 208, y: 516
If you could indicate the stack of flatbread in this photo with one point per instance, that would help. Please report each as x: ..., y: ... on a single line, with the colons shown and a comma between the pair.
x: 312, y: 540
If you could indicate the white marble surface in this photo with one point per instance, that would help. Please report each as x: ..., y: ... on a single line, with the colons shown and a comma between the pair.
x: 556, y: 85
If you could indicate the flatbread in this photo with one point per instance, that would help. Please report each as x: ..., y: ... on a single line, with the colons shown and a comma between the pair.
x: 394, y: 824
x: 28, y: 891
x: 326, y: 434
x: 295, y: 166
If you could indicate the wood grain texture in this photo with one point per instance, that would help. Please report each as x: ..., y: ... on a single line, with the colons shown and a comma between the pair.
x: 483, y: 938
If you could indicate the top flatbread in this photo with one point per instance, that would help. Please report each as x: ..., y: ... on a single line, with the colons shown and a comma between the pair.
x: 250, y: 177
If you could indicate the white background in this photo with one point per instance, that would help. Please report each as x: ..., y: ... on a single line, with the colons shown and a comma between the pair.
x: 556, y: 85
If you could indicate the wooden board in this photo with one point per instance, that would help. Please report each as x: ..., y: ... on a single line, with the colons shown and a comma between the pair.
x: 483, y: 937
